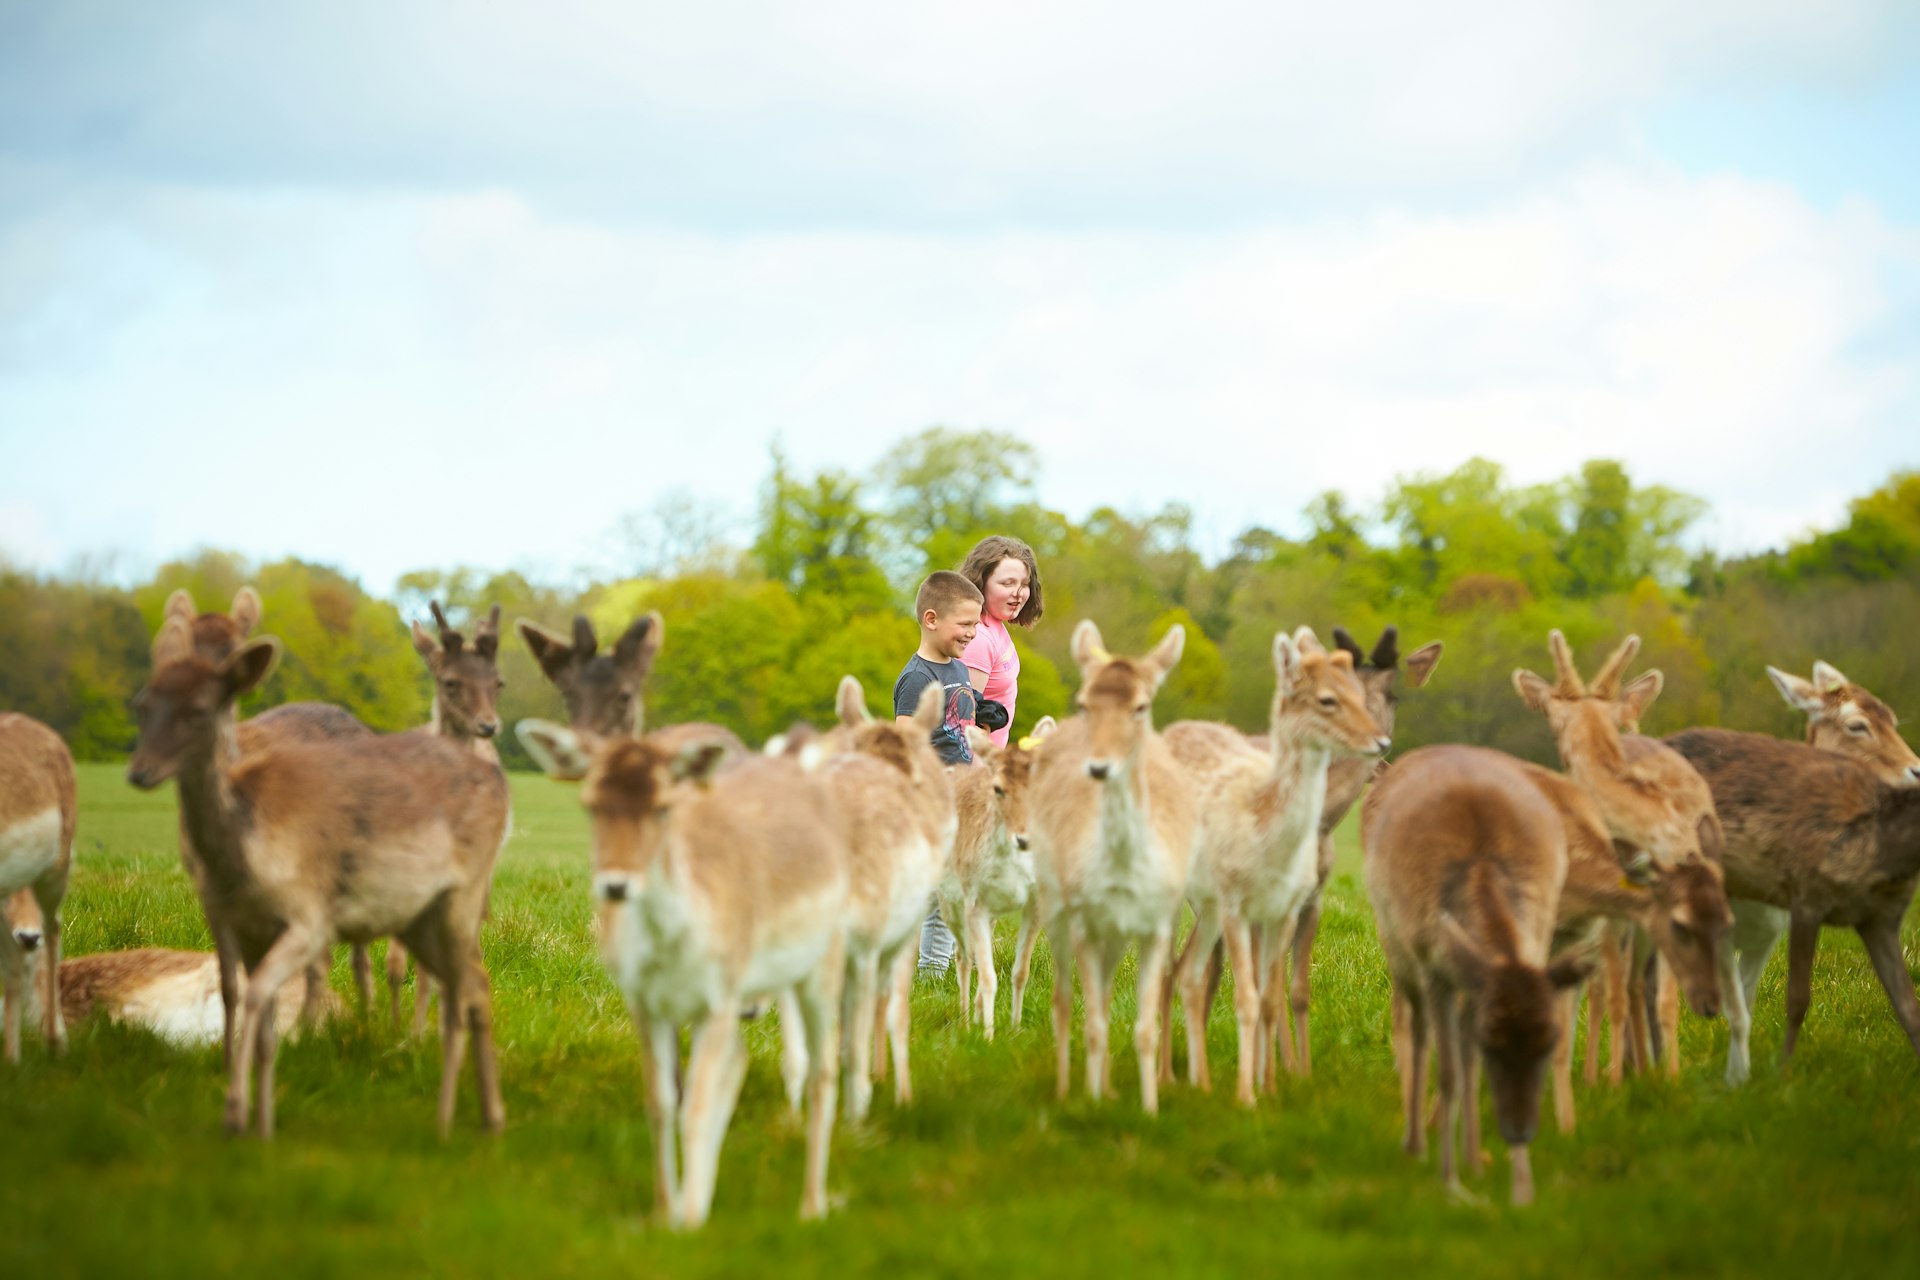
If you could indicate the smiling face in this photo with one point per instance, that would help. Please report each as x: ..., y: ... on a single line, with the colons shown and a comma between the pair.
x: 1006, y: 590
x: 949, y: 633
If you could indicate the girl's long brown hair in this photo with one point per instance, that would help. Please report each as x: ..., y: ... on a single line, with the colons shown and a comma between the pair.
x: 987, y: 555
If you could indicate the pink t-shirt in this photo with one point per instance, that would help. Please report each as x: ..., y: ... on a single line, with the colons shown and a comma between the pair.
x: 992, y: 651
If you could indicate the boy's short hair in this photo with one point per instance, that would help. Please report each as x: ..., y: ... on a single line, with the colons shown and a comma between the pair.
x: 942, y: 590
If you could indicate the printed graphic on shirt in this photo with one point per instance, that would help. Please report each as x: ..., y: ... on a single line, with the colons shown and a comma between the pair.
x: 950, y: 739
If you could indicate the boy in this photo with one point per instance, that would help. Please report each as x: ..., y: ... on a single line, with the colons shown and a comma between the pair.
x: 947, y: 606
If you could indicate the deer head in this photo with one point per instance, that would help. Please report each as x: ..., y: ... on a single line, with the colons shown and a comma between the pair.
x: 1378, y: 671
x: 1317, y: 698
x: 601, y: 691
x: 1844, y: 718
x: 188, y: 703
x: 1116, y: 696
x: 466, y: 678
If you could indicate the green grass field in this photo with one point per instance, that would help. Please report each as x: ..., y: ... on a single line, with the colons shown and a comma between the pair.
x: 115, y: 1164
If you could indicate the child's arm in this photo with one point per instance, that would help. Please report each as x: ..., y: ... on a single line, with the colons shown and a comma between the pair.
x: 906, y: 694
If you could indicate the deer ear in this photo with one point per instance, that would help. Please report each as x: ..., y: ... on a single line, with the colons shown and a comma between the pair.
x: 850, y: 702
x: 250, y: 665
x: 423, y: 644
x: 246, y: 610
x: 1167, y: 653
x: 486, y: 636
x: 980, y: 742
x: 929, y: 711
x: 1470, y: 963
x: 174, y: 642
x: 1040, y: 731
x: 1087, y: 648
x: 1533, y: 690
x: 1421, y: 662
x: 1574, y: 964
x: 699, y: 761
x: 1799, y: 694
x: 557, y: 749
x: 179, y: 605
x: 553, y: 652
x: 1308, y: 643
x: 1286, y: 663
x: 637, y: 646
x: 1826, y: 678
x: 1640, y: 693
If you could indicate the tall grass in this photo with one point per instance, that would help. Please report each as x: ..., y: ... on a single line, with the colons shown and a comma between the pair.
x: 115, y: 1164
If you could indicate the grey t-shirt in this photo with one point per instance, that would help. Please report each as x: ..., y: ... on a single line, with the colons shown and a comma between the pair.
x: 950, y: 739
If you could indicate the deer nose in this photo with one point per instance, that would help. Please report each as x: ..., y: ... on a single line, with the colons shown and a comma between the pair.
x: 140, y: 776
x: 613, y: 888
x: 487, y: 728
x: 1381, y: 743
x: 1020, y: 842
x: 29, y: 939
x: 1097, y: 770
x: 1913, y: 773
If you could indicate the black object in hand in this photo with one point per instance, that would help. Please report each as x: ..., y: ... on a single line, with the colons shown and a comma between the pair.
x: 990, y: 715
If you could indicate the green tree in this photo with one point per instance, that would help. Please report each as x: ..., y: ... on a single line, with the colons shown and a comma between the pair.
x: 815, y: 537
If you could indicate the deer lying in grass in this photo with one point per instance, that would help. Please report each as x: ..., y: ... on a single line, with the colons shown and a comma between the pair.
x: 714, y: 888
x: 1255, y: 863
x: 216, y: 636
x: 1465, y: 862
x: 173, y: 994
x: 466, y: 694
x: 1114, y: 822
x: 992, y: 871
x: 1822, y: 838
x: 37, y: 811
x: 1650, y: 798
x: 304, y: 845
x: 896, y: 802
x: 602, y: 690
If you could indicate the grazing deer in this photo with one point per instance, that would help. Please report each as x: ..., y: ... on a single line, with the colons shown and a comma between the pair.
x: 992, y: 871
x: 173, y: 994
x: 466, y: 695
x: 1114, y: 822
x: 894, y: 797
x: 1682, y: 910
x: 216, y: 636
x: 714, y: 888
x: 602, y: 690
x: 1255, y: 863
x: 307, y: 844
x: 1824, y: 839
x: 37, y: 810
x: 1465, y: 862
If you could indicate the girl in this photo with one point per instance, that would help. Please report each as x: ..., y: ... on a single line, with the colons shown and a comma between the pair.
x: 1004, y: 570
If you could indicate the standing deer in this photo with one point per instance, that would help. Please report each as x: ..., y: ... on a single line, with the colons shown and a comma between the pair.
x: 1255, y: 864
x: 1114, y: 822
x: 714, y: 888
x: 303, y: 845
x: 466, y: 694
x: 37, y: 811
x: 602, y: 690
x: 1465, y: 862
x: 992, y: 872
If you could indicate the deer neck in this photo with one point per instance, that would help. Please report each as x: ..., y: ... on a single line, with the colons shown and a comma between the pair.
x: 209, y: 807
x: 1124, y: 808
x: 1299, y: 777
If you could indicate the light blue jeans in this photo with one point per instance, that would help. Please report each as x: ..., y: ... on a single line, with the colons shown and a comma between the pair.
x: 936, y: 945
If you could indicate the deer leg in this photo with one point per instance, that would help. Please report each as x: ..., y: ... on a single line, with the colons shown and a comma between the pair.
x: 1596, y: 1019
x: 293, y: 951
x: 227, y: 955
x: 1277, y: 944
x: 363, y: 979
x: 1061, y: 943
x: 476, y: 1002
x: 1093, y: 983
x: 980, y: 942
x: 396, y: 967
x: 794, y: 1058
x: 50, y: 950
x: 1803, y: 939
x: 1301, y: 993
x: 1882, y: 938
x: 1757, y: 927
x: 423, y: 994
x: 13, y: 969
x: 858, y: 1003
x: 660, y: 1044
x: 1667, y: 1003
x: 1447, y: 1027
x: 816, y: 1000
x: 1194, y: 994
x: 1152, y: 980
x: 1614, y: 968
x: 267, y: 1049
x: 453, y: 1054
x: 1471, y: 1158
x: 1739, y: 1014
x: 1023, y: 958
x: 1410, y: 1049
x: 712, y: 1085
x: 1637, y: 1021
x: 899, y: 1021
x: 1569, y: 1009
x: 963, y: 961
x: 1246, y: 1002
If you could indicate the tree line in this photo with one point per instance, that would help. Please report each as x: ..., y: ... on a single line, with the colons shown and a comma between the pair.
x: 760, y: 629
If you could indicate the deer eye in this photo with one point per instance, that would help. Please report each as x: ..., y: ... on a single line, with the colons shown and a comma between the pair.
x: 999, y: 790
x: 1857, y: 726
x: 1328, y: 701
x: 499, y: 684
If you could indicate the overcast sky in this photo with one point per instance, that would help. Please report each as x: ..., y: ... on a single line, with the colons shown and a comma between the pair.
x: 393, y: 286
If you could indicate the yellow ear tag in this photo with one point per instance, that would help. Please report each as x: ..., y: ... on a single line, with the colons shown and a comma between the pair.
x: 1631, y: 887
x: 1028, y: 743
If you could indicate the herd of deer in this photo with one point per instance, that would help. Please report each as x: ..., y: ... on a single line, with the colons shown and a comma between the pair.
x: 725, y: 879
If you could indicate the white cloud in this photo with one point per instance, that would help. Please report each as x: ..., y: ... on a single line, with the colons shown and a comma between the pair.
x: 397, y: 381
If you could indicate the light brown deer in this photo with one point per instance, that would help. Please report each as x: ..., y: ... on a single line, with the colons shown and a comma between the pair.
x: 466, y: 697
x: 992, y: 871
x: 173, y: 994
x: 602, y: 690
x: 304, y: 845
x: 1255, y: 863
x: 1114, y: 822
x: 1822, y: 838
x: 37, y: 813
x: 715, y: 888
x: 1465, y: 862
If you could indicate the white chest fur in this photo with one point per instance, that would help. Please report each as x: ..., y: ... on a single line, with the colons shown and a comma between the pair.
x: 28, y: 849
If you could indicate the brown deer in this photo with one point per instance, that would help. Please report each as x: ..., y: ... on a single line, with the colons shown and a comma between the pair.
x: 1465, y: 862
x: 303, y: 845
x: 466, y: 696
x: 714, y: 888
x: 37, y: 812
x: 992, y: 871
x: 173, y: 994
x: 602, y: 690
x: 1114, y: 822
x: 1255, y: 864
x: 1824, y: 839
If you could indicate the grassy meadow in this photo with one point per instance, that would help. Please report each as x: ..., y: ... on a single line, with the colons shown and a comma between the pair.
x: 116, y: 1164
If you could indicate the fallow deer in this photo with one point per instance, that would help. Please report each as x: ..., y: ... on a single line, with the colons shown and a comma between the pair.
x: 173, y: 994
x: 1255, y: 863
x: 714, y: 888
x: 602, y: 690
x: 1114, y: 822
x: 37, y: 813
x: 304, y: 845
x: 466, y: 695
x: 1824, y: 839
x: 1465, y: 862
x: 992, y: 871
